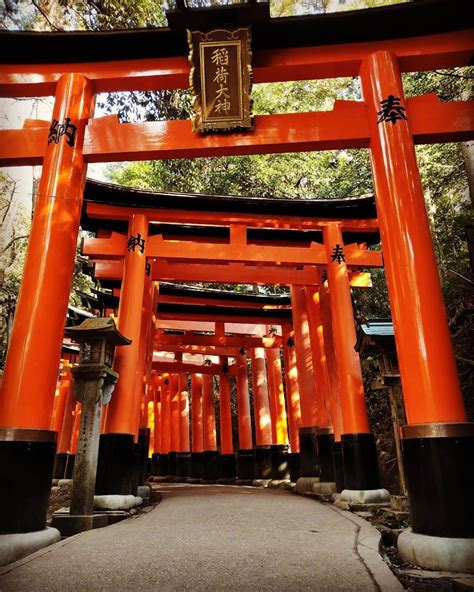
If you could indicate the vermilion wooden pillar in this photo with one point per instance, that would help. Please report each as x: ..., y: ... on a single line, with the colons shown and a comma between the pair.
x: 358, y: 444
x: 143, y: 367
x: 438, y: 444
x: 227, y: 446
x: 292, y: 390
x: 196, y: 404
x: 262, y: 415
x: 175, y: 424
x: 325, y: 436
x: 116, y: 452
x: 210, y: 469
x: 243, y: 404
x: 165, y: 414
x: 331, y: 362
x: 197, y: 427
x: 183, y: 457
x: 245, y: 454
x: 64, y: 422
x: 31, y: 369
x: 208, y: 413
x: 227, y: 457
x: 183, y: 413
x: 306, y: 384
x: 261, y: 403
x: 277, y: 396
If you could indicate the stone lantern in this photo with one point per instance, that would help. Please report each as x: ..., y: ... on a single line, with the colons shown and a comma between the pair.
x: 94, y: 382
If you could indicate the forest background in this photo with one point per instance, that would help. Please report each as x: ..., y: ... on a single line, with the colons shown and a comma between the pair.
x: 447, y: 171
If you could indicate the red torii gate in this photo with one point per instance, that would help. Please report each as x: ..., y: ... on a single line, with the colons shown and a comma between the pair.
x: 110, y: 206
x: 437, y: 433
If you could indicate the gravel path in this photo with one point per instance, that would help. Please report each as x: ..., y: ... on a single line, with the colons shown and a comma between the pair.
x: 207, y: 538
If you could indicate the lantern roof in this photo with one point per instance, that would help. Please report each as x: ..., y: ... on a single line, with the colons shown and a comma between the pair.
x: 94, y: 328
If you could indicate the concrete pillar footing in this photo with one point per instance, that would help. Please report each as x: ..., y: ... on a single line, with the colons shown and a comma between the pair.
x: 437, y: 553
x: 116, y: 502
x: 305, y: 484
x: 365, y: 496
x: 18, y: 545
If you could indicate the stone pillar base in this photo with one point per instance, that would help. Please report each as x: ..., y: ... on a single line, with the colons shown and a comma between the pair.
x: 338, y: 466
x: 26, y: 472
x: 437, y: 553
x: 325, y: 443
x: 263, y: 462
x: 70, y: 525
x: 210, y: 465
x: 172, y: 464
x: 16, y: 546
x: 115, y: 464
x: 361, y: 468
x: 440, y: 479
x: 60, y: 462
x: 365, y: 496
x: 228, y: 466
x: 163, y: 461
x: 309, y: 452
x: 196, y: 465
x: 280, y: 464
x: 246, y: 469
x: 155, y: 461
x: 71, y: 458
x: 294, y: 463
x: 183, y: 464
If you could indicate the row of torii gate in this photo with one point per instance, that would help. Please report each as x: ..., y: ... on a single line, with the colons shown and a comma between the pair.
x: 314, y: 329
x: 438, y: 442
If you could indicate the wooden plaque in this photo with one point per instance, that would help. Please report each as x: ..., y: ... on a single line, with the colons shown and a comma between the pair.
x: 221, y: 79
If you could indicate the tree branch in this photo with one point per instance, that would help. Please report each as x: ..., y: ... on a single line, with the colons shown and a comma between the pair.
x: 40, y: 10
x: 17, y: 238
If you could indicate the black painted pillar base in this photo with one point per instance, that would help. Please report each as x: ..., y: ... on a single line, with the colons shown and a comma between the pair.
x: 246, y: 467
x: 309, y: 452
x: 26, y: 472
x: 115, y: 464
x: 172, y: 464
x: 69, y: 466
x: 137, y: 468
x: 325, y: 442
x: 59, y: 471
x: 183, y: 464
x: 338, y: 467
x: 163, y: 461
x: 196, y: 465
x: 155, y: 463
x: 210, y: 465
x: 280, y: 464
x: 440, y: 478
x: 263, y: 462
x: 144, y: 441
x: 361, y: 467
x: 294, y: 463
x: 228, y: 466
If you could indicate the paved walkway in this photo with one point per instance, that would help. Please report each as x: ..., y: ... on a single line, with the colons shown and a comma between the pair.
x: 209, y: 538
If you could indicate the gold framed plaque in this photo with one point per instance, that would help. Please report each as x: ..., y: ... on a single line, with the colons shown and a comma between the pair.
x: 221, y: 79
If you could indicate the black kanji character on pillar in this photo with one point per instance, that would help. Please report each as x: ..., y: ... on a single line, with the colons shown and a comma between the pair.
x: 242, y: 351
x: 391, y: 110
x: 338, y: 254
x: 147, y: 268
x: 290, y: 342
x: 324, y: 275
x: 207, y: 362
x: 272, y: 330
x: 136, y: 241
x: 57, y: 130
